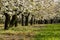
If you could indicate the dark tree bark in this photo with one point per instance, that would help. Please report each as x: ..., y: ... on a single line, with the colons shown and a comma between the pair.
x: 32, y: 21
x: 16, y: 23
x: 7, y: 21
x: 22, y: 20
x: 45, y: 21
x: 51, y: 21
x: 13, y: 21
x: 26, y: 19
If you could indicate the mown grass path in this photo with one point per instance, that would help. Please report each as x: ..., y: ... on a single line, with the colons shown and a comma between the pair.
x: 34, y: 32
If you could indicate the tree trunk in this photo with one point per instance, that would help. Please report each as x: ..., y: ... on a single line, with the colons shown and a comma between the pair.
x: 13, y: 21
x: 31, y: 21
x: 16, y: 23
x: 26, y: 20
x: 22, y: 20
x: 6, y: 25
x: 7, y: 21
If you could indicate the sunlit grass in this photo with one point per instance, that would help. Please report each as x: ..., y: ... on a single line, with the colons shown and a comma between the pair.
x: 38, y: 32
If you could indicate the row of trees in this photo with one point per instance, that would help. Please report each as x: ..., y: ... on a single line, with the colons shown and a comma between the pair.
x: 14, y: 20
x: 37, y: 11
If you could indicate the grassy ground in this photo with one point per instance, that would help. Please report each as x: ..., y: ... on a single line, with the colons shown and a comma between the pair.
x: 34, y: 32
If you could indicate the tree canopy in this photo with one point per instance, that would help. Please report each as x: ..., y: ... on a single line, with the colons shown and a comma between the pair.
x: 40, y: 8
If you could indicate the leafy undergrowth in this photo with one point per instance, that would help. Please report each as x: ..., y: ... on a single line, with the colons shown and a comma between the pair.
x: 34, y: 32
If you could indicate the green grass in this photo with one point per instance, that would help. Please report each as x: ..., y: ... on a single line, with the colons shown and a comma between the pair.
x: 50, y: 32
x: 35, y: 32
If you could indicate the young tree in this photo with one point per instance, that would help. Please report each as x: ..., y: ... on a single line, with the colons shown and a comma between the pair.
x: 26, y: 18
x: 22, y: 20
x: 14, y: 19
x: 32, y: 21
x: 7, y: 20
